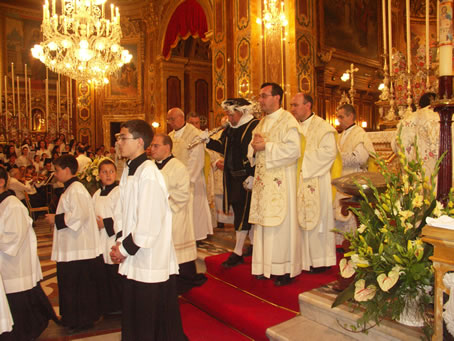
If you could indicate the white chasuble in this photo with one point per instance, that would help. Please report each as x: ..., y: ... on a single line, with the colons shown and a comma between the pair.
x: 176, y: 177
x: 277, y: 238
x: 318, y: 245
x: 194, y: 160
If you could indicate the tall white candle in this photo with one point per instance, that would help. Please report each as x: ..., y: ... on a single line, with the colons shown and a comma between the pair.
x: 58, y: 103
x: 12, y: 86
x: 30, y: 101
x: 18, y: 105
x: 67, y: 103
x: 26, y: 93
x: 6, y: 102
x: 390, y: 35
x: 427, y: 37
x: 408, y: 36
x: 446, y: 32
x: 47, y: 100
x: 71, y: 98
x: 385, y: 47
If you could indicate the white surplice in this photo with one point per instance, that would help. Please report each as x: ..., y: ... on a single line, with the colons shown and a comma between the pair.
x: 318, y: 245
x: 194, y: 160
x: 146, y: 216
x: 277, y: 249
x: 176, y: 177
x: 6, y: 320
x: 105, y: 207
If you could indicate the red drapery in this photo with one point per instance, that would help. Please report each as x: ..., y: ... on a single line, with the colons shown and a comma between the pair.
x: 187, y: 20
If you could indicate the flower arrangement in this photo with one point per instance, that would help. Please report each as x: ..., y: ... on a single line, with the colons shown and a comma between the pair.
x: 389, y: 261
x: 89, y: 175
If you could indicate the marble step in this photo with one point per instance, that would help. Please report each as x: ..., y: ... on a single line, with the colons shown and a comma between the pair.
x: 315, y: 305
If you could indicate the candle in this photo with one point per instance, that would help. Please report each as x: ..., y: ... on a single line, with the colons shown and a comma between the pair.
x: 111, y: 11
x: 67, y: 102
x: 47, y: 100
x: 12, y: 85
x: 103, y: 11
x: 63, y: 7
x: 18, y: 104
x: 438, y: 21
x: 71, y: 98
x: 26, y: 92
x: 408, y: 36
x: 30, y: 100
x: 445, y: 38
x: 385, y: 48
x: 53, y: 7
x: 58, y: 103
x: 427, y: 40
x: 6, y: 102
x: 390, y: 40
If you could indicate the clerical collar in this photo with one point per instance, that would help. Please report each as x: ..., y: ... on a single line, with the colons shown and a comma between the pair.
x: 162, y: 163
x: 5, y: 195
x: 352, y: 125
x: 312, y: 114
x: 70, y: 181
x: 105, y: 190
x: 134, y: 164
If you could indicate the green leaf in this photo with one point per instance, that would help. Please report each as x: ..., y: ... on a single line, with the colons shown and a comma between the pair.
x: 345, y: 295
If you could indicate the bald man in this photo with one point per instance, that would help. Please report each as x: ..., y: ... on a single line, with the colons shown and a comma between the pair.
x: 182, y: 135
x: 314, y: 195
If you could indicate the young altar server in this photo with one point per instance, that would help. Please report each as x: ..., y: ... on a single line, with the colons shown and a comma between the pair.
x: 105, y: 200
x: 75, y: 248
x: 20, y: 271
x: 145, y: 250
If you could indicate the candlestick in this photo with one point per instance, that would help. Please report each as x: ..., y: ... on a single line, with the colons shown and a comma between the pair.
x: 390, y: 41
x: 408, y: 36
x: 26, y: 94
x: 385, y: 47
x: 12, y: 82
x: 6, y: 102
x: 30, y: 101
x: 18, y: 105
x: 47, y: 100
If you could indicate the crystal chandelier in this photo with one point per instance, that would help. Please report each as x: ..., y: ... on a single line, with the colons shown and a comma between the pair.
x: 273, y: 15
x: 81, y: 43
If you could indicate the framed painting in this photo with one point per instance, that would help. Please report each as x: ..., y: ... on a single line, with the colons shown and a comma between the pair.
x: 127, y: 82
x: 352, y: 28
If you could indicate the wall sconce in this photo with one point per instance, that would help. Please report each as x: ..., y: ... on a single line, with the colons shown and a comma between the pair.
x: 155, y: 124
x: 364, y: 124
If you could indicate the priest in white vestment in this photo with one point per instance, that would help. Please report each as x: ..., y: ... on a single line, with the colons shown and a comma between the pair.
x: 274, y: 150
x: 194, y: 159
x: 355, y: 148
x: 177, y: 181
x: 314, y: 195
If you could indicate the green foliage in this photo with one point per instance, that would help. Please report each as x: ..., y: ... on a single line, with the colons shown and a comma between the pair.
x: 387, y: 257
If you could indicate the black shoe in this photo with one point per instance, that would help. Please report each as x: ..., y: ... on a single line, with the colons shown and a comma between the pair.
x: 248, y: 251
x: 233, y: 260
x: 282, y: 280
x: 319, y: 269
x: 259, y: 277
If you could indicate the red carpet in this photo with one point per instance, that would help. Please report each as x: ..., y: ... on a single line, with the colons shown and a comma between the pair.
x: 198, y: 326
x: 244, y: 312
x: 286, y: 296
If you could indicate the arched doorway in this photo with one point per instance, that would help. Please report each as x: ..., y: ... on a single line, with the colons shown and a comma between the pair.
x: 187, y: 62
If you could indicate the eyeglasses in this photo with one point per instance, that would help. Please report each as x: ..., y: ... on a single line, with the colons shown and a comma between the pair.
x: 123, y: 138
x: 263, y: 96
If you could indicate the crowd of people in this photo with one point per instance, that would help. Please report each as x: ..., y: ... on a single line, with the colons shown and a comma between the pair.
x: 131, y: 247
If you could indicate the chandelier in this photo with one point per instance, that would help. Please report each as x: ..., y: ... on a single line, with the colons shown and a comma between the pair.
x: 273, y: 15
x: 81, y: 43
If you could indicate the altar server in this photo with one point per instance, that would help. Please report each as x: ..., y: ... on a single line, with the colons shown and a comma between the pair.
x: 20, y: 271
x: 145, y: 250
x: 105, y: 200
x: 75, y: 248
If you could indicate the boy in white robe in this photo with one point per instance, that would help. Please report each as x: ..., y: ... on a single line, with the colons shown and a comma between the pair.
x: 20, y: 272
x: 105, y: 201
x: 75, y: 248
x: 145, y: 250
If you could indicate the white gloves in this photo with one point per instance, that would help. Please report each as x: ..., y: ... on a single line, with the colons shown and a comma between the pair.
x: 248, y: 183
x: 204, y: 136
